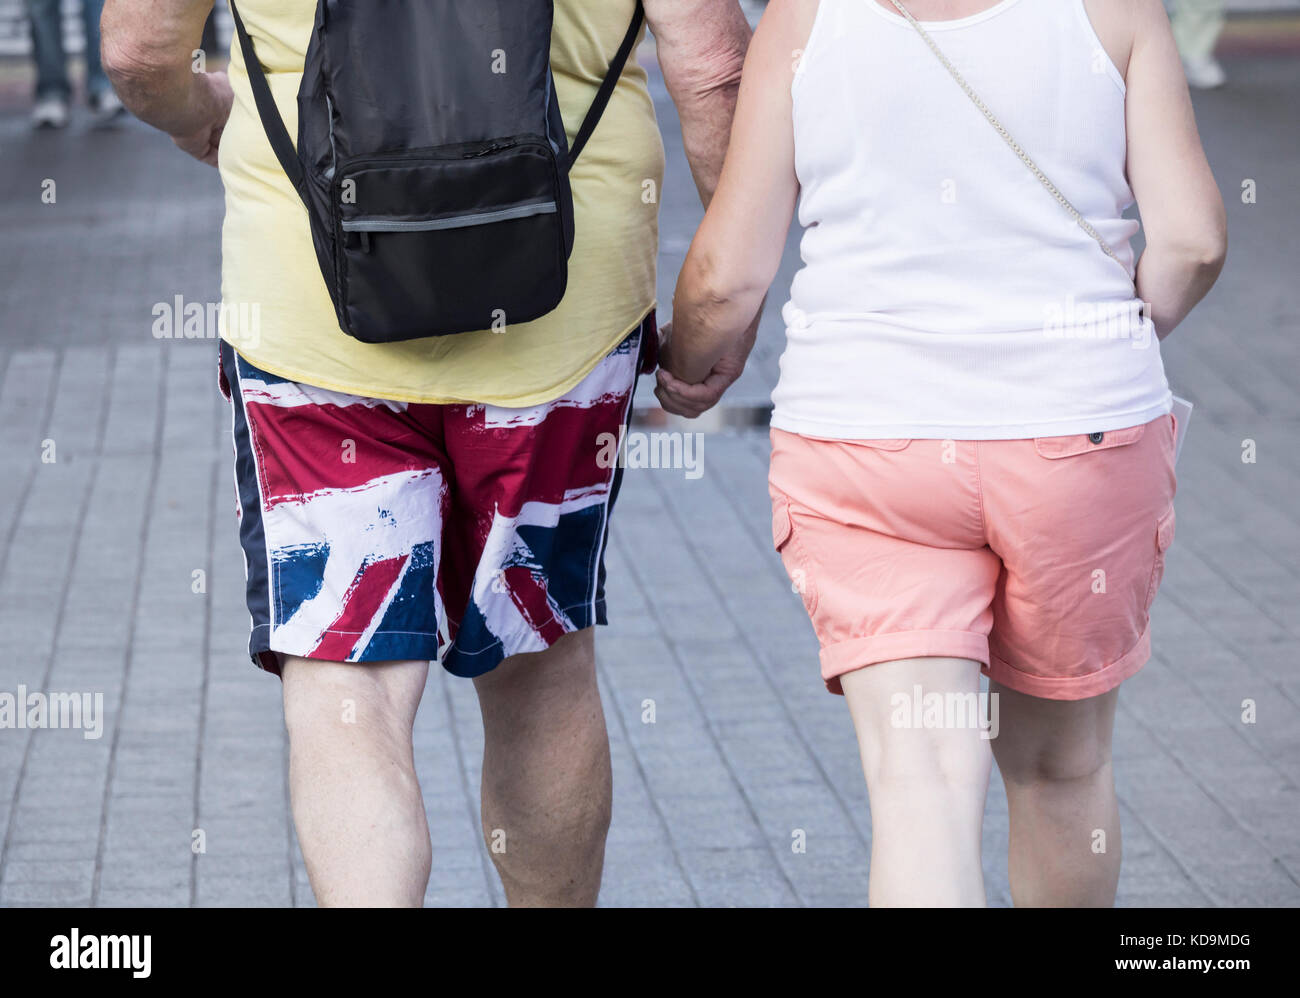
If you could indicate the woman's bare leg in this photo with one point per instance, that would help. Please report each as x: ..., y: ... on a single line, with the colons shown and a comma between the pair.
x: 926, y: 784
x: 1055, y: 761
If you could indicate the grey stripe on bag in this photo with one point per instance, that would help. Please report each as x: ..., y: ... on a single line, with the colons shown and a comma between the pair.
x: 522, y: 210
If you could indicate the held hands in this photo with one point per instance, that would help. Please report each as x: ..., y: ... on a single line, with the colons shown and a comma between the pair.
x: 682, y: 399
x: 210, y: 103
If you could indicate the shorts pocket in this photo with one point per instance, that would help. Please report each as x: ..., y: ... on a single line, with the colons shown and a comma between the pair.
x: 781, y: 525
x: 882, y: 444
x: 787, y: 546
x: 1054, y: 448
x: 1164, y: 537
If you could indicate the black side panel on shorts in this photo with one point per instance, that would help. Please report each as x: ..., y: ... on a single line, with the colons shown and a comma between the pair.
x: 252, y: 535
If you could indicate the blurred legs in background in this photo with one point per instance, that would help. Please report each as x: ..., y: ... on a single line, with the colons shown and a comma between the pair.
x: 1197, y: 25
x: 53, y: 87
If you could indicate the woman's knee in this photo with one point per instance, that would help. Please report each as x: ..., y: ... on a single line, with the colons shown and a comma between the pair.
x: 1053, y: 741
x: 1054, y: 764
x: 921, y: 723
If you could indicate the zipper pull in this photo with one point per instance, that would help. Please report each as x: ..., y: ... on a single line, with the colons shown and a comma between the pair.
x: 365, y: 241
x: 493, y: 147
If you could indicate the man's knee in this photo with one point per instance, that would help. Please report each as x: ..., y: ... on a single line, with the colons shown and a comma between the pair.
x: 561, y: 676
x: 321, y: 699
x: 544, y: 727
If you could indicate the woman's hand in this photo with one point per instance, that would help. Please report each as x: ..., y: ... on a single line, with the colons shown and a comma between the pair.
x: 691, y: 401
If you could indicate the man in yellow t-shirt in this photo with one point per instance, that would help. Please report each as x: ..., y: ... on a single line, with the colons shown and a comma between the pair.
x: 445, y: 497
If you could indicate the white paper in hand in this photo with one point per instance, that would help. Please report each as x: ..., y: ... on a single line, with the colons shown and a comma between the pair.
x: 1182, y: 416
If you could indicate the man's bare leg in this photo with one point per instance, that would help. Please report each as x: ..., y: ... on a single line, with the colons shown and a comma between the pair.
x: 356, y: 800
x: 547, y: 785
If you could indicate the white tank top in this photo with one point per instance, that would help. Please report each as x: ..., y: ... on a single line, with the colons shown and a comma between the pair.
x: 945, y: 293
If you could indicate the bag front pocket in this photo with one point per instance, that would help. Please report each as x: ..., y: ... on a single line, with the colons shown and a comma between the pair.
x: 449, y: 240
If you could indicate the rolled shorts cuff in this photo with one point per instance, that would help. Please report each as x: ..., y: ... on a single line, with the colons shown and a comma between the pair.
x: 857, y: 653
x: 1073, y: 687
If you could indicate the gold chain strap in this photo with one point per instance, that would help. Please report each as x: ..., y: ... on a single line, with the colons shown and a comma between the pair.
x: 1015, y: 146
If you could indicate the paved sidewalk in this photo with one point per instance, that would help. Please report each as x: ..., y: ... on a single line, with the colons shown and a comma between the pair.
x: 100, y: 547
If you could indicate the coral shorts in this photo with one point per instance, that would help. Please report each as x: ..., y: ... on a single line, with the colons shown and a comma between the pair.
x: 1037, y: 558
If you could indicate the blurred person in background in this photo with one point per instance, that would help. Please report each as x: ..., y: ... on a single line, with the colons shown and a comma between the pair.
x: 1197, y: 25
x: 53, y: 88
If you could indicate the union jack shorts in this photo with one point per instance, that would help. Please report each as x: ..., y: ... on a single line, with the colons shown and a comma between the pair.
x: 376, y: 530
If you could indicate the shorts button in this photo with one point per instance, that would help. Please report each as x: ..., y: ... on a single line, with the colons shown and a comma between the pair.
x: 1096, y: 438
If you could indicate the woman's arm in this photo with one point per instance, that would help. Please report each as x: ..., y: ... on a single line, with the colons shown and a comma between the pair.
x: 1182, y: 210
x: 737, y: 250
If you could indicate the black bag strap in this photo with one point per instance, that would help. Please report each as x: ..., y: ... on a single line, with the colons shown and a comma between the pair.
x: 272, y: 123
x: 607, y: 85
x: 283, y: 145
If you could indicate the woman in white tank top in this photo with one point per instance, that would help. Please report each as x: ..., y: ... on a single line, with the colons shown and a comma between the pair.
x: 972, y: 442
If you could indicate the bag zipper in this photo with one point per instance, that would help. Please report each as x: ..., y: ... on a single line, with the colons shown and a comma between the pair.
x: 524, y: 209
x: 461, y: 150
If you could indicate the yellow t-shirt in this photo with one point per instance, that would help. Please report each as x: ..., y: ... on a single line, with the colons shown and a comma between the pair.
x: 271, y: 281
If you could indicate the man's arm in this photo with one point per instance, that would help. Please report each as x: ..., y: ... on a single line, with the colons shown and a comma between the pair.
x: 701, y: 47
x: 148, y: 50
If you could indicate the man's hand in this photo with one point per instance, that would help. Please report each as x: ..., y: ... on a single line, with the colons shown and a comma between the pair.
x: 691, y: 401
x: 212, y: 101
